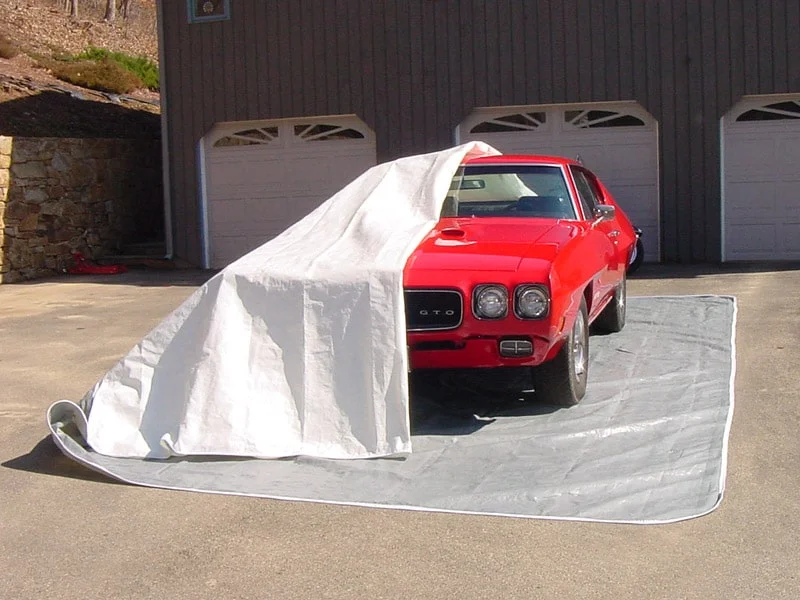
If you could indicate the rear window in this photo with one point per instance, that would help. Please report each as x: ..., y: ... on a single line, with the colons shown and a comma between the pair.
x: 509, y: 191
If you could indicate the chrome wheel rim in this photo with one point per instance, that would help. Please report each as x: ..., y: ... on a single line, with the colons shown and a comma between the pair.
x: 579, y: 345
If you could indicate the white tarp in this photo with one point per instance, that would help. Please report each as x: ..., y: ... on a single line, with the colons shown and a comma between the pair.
x: 298, y: 348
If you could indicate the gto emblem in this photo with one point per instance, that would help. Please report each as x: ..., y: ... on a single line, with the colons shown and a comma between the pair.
x: 436, y: 313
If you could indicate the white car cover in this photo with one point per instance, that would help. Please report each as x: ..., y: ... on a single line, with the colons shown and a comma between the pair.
x: 298, y: 348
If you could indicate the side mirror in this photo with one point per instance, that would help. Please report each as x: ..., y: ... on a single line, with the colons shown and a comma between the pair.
x: 604, y: 212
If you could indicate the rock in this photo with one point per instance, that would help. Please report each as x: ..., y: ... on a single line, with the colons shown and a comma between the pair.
x: 29, y: 223
x: 28, y: 170
x: 35, y: 195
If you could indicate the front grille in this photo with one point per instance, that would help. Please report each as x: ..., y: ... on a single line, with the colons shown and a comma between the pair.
x: 430, y: 310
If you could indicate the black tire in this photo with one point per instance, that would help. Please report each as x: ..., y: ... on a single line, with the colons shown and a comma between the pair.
x: 562, y: 381
x: 612, y: 319
x: 637, y: 256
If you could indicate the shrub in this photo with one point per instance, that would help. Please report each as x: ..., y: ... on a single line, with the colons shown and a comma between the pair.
x: 8, y: 49
x: 104, y: 75
x: 145, y: 69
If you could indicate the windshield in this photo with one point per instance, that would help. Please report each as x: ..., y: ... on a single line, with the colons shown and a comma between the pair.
x: 509, y: 191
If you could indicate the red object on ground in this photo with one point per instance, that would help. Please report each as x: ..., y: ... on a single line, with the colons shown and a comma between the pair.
x: 84, y: 266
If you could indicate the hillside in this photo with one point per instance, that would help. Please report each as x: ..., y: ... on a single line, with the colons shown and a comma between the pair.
x: 34, y: 103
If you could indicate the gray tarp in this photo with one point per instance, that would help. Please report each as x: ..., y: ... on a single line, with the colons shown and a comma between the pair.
x: 648, y: 444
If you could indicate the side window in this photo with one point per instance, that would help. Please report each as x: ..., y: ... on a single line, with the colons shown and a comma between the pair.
x: 585, y: 192
x: 598, y: 193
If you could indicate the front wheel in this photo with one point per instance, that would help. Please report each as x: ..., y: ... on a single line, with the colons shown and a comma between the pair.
x: 562, y: 380
x: 612, y: 319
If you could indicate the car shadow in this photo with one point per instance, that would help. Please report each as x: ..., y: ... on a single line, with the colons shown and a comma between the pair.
x: 463, y: 401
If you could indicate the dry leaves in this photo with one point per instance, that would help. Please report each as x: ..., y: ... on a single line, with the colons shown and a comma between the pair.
x: 45, y: 27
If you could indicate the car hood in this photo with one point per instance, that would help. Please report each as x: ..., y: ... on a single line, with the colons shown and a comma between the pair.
x: 489, y: 244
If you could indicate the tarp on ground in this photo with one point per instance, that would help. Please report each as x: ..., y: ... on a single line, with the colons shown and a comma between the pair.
x: 648, y: 443
x: 298, y: 348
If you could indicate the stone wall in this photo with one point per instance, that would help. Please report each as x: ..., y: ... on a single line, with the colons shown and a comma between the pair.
x: 63, y: 195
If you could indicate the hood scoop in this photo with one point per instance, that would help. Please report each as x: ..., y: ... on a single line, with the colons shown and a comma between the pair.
x: 452, y: 236
x: 453, y: 233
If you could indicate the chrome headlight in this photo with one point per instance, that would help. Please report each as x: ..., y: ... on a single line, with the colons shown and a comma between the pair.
x: 531, y: 301
x: 490, y: 301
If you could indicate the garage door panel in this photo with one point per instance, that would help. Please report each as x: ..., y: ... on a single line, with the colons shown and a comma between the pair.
x: 786, y: 154
x: 629, y: 198
x: 756, y: 241
x: 650, y: 242
x: 230, y: 246
x: 256, y: 191
x: 739, y: 157
x: 246, y: 225
x: 228, y: 211
x: 787, y: 200
x: 766, y: 241
x: 252, y: 174
x: 761, y: 182
x: 750, y: 201
x: 790, y: 241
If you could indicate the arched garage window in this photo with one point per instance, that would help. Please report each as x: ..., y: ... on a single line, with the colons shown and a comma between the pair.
x: 507, y: 123
x: 248, y: 137
x: 772, y: 112
x: 592, y: 118
x: 313, y: 132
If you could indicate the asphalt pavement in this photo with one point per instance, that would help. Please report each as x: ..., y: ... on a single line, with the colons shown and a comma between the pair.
x: 66, y: 532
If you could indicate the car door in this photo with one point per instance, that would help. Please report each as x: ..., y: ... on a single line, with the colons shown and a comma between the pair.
x: 611, y: 269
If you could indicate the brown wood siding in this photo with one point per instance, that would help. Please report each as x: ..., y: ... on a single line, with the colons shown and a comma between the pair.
x: 413, y: 69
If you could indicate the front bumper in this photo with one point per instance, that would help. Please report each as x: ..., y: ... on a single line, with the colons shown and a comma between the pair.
x: 439, y: 351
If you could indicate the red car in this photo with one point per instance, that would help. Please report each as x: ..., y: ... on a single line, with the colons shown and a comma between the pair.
x: 529, y: 252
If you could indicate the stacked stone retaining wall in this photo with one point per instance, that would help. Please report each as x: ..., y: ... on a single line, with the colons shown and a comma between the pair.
x: 63, y: 195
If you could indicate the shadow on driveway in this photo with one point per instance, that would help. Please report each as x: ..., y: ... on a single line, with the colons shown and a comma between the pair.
x: 47, y: 459
x: 139, y: 277
x: 676, y: 271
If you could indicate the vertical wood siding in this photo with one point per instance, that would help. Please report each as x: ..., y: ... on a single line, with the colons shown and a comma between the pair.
x: 413, y: 69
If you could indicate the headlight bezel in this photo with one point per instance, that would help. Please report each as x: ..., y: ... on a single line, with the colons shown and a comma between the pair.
x: 482, y: 289
x: 537, y: 288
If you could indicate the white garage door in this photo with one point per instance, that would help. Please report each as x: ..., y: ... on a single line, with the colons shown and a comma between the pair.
x: 617, y: 141
x: 263, y: 177
x: 761, y: 180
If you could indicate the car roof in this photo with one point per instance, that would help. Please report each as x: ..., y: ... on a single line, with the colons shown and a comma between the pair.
x: 516, y: 159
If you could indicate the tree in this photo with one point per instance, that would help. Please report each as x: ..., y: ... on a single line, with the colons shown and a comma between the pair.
x: 111, y: 11
x: 72, y: 5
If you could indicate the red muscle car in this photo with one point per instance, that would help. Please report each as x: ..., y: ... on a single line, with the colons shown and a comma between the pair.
x: 528, y: 253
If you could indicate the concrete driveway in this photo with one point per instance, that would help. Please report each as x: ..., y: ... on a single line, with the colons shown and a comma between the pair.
x: 68, y: 533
